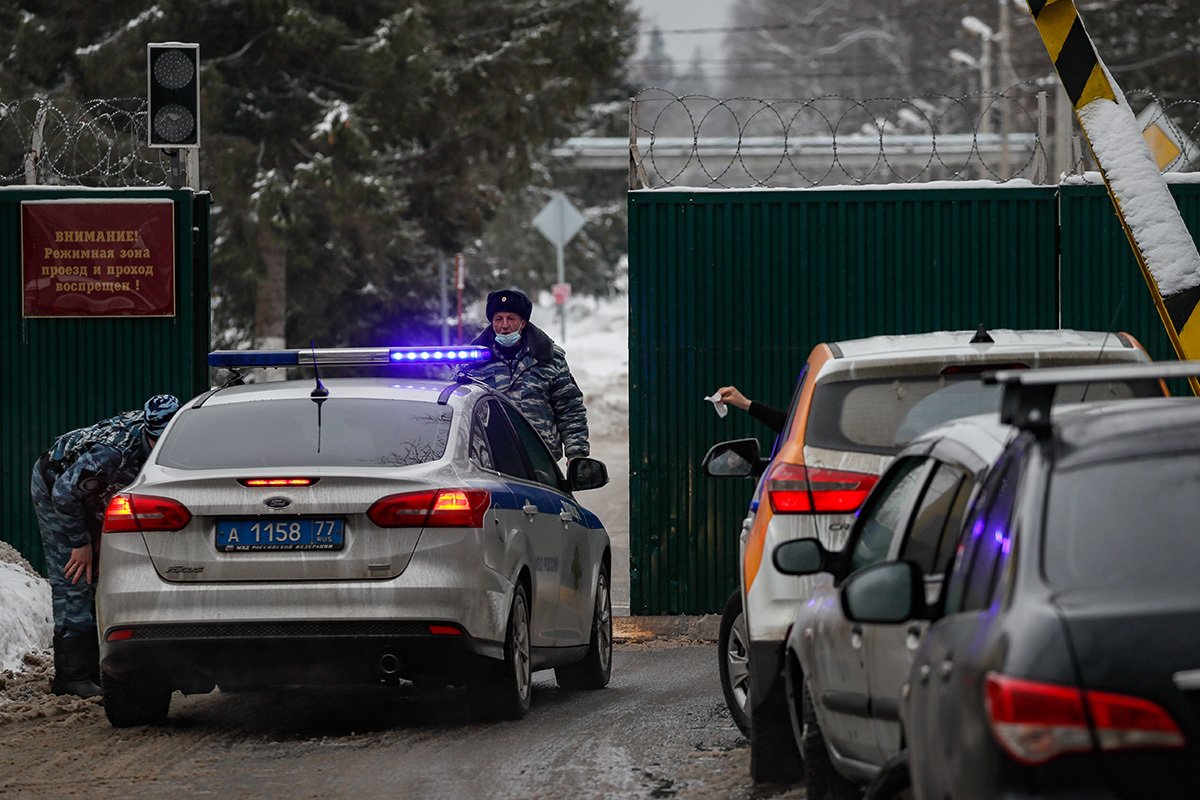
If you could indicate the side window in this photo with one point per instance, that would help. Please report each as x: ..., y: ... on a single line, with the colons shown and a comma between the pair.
x: 884, y: 519
x: 503, y: 447
x: 791, y: 418
x: 544, y: 469
x: 480, y: 453
x: 935, y: 517
x: 985, y: 540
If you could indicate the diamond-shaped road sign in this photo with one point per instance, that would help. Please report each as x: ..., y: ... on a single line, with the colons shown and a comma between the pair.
x: 559, y: 220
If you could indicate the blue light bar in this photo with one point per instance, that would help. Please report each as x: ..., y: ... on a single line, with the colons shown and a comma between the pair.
x: 254, y: 358
x: 443, y: 355
x: 348, y: 356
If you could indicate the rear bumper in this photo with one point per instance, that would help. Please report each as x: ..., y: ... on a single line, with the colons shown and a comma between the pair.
x: 195, y: 656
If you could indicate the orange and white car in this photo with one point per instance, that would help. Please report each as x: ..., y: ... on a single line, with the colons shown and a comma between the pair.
x: 856, y: 404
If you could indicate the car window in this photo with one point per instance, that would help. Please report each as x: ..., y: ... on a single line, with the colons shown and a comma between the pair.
x: 882, y: 415
x: 1124, y: 524
x: 879, y: 524
x: 986, y: 538
x: 350, y: 432
x: 499, y: 442
x: 936, y: 518
x: 544, y: 469
x: 791, y: 418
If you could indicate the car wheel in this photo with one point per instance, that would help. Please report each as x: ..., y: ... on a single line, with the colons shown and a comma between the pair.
x: 893, y: 781
x: 594, y: 671
x: 134, y: 702
x: 505, y: 690
x: 733, y: 650
x: 793, y: 686
x: 821, y: 780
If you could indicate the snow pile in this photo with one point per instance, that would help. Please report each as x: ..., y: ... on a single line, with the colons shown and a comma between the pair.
x: 26, y: 619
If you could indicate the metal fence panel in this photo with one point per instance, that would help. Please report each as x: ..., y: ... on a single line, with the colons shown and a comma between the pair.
x: 60, y: 374
x: 736, y: 287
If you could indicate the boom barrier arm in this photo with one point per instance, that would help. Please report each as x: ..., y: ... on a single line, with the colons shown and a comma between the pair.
x: 1161, y: 242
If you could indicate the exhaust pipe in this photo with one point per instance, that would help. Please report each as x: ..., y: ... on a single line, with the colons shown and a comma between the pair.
x: 389, y: 664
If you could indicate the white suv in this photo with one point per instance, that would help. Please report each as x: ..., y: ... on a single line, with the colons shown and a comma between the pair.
x: 856, y: 404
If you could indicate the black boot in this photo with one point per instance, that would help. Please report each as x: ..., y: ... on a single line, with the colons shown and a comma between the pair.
x: 73, y: 664
x: 93, y: 656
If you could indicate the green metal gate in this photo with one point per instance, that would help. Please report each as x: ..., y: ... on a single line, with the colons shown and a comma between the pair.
x: 62, y: 373
x: 736, y: 287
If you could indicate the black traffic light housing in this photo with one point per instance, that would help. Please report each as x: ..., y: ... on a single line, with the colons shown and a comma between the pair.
x: 173, y: 88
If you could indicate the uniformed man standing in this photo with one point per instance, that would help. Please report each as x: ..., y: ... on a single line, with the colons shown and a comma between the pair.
x: 532, y: 371
x: 72, y: 484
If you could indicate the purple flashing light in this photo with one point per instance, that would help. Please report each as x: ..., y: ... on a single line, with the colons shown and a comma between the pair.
x: 451, y: 355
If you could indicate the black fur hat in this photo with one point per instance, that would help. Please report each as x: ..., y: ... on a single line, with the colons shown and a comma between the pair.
x: 509, y: 300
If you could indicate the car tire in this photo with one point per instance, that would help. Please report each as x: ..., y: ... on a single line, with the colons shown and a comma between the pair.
x: 504, y: 690
x: 821, y: 780
x: 733, y: 652
x: 893, y: 781
x: 793, y: 686
x: 134, y: 702
x: 595, y: 669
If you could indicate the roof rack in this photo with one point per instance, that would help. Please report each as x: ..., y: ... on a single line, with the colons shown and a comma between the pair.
x: 1029, y: 393
x: 349, y: 356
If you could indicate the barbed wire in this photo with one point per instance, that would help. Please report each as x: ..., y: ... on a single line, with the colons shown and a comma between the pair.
x: 684, y: 140
x: 697, y: 140
x: 82, y: 143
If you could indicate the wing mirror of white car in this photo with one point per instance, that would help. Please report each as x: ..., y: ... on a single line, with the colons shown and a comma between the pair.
x: 586, y: 473
x: 802, y: 557
x: 887, y: 592
x: 738, y: 458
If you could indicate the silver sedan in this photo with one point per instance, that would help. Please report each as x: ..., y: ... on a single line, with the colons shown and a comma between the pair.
x: 357, y: 530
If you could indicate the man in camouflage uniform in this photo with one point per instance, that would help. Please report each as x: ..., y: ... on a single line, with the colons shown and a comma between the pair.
x: 532, y: 371
x: 72, y: 484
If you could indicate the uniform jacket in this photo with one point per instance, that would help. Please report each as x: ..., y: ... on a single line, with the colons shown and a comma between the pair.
x: 86, y: 467
x: 539, y: 381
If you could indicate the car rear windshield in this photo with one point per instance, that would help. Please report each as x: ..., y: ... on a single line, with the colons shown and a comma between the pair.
x: 882, y: 415
x: 352, y: 432
x: 1127, y: 523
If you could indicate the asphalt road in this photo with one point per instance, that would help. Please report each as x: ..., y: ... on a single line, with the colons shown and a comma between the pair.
x: 660, y: 730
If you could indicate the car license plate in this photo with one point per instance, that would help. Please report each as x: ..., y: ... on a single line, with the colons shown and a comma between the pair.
x: 279, y: 534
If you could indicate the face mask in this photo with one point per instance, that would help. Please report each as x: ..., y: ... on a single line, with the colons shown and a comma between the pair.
x: 508, y: 339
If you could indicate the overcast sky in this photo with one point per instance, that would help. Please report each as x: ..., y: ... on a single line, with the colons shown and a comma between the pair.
x: 684, y: 15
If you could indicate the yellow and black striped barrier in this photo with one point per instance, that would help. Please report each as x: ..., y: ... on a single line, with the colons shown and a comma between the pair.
x: 1167, y: 257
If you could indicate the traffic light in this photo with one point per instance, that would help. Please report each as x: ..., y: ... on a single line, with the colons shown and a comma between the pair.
x: 173, y: 81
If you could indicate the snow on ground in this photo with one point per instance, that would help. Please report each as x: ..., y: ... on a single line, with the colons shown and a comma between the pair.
x: 597, y: 351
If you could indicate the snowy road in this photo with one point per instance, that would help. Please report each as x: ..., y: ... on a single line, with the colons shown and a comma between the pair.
x: 659, y: 730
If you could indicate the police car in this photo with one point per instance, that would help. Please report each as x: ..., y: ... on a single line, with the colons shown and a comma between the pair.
x: 352, y: 530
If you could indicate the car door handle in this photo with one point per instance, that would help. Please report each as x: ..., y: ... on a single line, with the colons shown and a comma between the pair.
x: 947, y: 669
x: 856, y: 637
x: 566, y: 517
x: 530, y: 509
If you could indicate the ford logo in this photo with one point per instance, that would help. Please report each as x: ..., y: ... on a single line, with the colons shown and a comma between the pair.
x: 277, y: 502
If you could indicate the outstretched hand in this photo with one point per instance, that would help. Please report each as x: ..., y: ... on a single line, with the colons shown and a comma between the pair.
x: 731, y: 396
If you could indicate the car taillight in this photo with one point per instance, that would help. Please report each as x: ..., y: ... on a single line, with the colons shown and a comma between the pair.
x: 1035, y: 722
x: 275, y: 482
x: 796, y: 489
x: 127, y: 513
x: 433, y: 508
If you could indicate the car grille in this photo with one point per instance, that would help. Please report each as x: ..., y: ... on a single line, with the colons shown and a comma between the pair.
x: 271, y: 630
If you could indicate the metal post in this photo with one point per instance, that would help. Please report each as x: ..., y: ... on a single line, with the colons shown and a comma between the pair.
x: 192, y: 172
x: 444, y: 305
x: 1064, y: 120
x: 1041, y: 165
x: 562, y: 307
x: 1005, y: 115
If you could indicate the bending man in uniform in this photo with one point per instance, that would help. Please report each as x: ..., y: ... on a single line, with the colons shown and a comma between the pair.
x: 532, y: 371
x: 72, y: 484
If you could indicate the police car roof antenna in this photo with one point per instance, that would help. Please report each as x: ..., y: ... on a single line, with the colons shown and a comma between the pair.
x: 1107, y: 333
x: 319, y: 393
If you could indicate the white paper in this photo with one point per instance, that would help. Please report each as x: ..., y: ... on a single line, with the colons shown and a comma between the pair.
x: 718, y: 406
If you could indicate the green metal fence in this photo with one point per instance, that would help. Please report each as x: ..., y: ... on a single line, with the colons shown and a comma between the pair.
x: 736, y: 287
x: 61, y: 373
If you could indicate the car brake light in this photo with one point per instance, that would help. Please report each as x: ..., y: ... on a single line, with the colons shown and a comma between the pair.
x: 796, y: 489
x: 129, y: 513
x: 433, y: 508
x: 445, y: 630
x: 257, y: 482
x: 1035, y: 722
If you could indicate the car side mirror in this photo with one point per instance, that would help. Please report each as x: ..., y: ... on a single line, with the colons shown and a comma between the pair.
x: 887, y: 592
x: 586, y: 473
x: 802, y: 557
x: 739, y: 458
